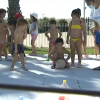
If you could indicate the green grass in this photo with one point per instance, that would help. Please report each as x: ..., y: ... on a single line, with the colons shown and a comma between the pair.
x: 90, y: 51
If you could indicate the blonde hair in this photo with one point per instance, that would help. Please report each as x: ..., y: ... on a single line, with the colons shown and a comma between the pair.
x: 22, y: 22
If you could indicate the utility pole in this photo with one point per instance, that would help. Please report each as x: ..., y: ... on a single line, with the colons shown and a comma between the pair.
x: 84, y: 8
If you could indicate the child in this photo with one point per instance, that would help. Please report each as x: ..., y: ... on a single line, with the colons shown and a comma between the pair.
x: 92, y: 29
x: 17, y: 17
x: 33, y: 32
x: 84, y: 45
x: 53, y: 34
x: 76, y: 27
x: 58, y: 52
x: 3, y: 41
x: 2, y: 16
x: 18, y: 48
x: 12, y: 28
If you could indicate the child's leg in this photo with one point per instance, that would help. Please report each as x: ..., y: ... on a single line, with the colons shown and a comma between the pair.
x: 79, y: 51
x: 55, y: 57
x: 4, y: 50
x: 10, y: 49
x: 14, y: 61
x: 99, y: 48
x: 22, y: 61
x: 0, y: 51
x: 72, y: 46
x: 95, y: 49
x: 85, y: 51
x: 34, y: 37
x: 33, y: 46
x: 50, y: 46
x: 67, y: 64
x: 21, y: 53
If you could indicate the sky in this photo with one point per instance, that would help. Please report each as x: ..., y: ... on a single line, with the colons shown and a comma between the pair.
x: 49, y: 8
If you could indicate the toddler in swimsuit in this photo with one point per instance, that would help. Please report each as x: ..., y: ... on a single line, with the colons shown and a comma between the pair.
x: 76, y: 27
x: 53, y: 34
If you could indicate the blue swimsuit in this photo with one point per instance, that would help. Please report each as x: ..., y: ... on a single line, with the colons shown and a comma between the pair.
x: 97, y: 36
x: 20, y: 48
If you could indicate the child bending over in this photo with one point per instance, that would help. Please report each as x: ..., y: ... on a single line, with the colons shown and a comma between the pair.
x: 58, y: 52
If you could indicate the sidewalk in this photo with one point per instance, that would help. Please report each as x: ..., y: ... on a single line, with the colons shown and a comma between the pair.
x: 41, y: 74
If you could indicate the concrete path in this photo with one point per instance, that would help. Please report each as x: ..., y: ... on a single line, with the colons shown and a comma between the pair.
x: 40, y: 74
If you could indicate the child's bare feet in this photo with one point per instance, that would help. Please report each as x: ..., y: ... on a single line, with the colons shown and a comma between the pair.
x: 24, y: 68
x: 72, y: 65
x: 86, y: 56
x: 52, y: 67
x: 79, y: 65
x: 11, y: 69
x: 67, y: 65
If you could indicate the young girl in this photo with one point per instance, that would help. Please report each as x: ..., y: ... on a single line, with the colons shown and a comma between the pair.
x: 92, y: 29
x: 84, y: 45
x: 76, y: 27
x: 33, y: 32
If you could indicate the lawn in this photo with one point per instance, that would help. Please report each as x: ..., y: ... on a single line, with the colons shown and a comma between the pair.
x: 90, y: 51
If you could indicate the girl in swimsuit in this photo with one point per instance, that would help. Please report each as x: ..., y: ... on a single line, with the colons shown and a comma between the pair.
x: 76, y: 27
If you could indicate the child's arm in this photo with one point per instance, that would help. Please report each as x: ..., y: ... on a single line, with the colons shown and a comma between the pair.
x: 51, y: 53
x: 25, y: 34
x: 68, y: 34
x: 92, y: 30
x: 35, y: 27
x: 6, y: 32
x: 46, y: 34
x: 84, y: 32
x: 12, y: 37
x: 16, y: 36
x: 60, y: 34
x: 67, y: 52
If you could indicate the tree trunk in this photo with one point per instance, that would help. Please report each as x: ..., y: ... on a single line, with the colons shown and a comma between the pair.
x: 13, y: 8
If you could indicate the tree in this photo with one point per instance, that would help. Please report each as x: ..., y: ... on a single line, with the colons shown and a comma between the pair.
x: 13, y: 8
x: 63, y: 21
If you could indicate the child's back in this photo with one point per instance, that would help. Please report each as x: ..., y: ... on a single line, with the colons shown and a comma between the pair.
x: 33, y: 26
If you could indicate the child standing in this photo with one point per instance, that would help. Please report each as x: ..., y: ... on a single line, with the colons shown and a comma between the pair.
x: 33, y: 32
x: 53, y: 34
x: 76, y: 28
x: 58, y: 53
x: 19, y: 16
x: 2, y: 16
x: 3, y: 41
x: 18, y: 47
x: 12, y: 28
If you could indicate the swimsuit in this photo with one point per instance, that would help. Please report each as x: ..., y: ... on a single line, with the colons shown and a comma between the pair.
x: 76, y: 39
x: 53, y: 42
x: 2, y: 42
x: 97, y: 37
x: 76, y: 27
x: 20, y: 48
